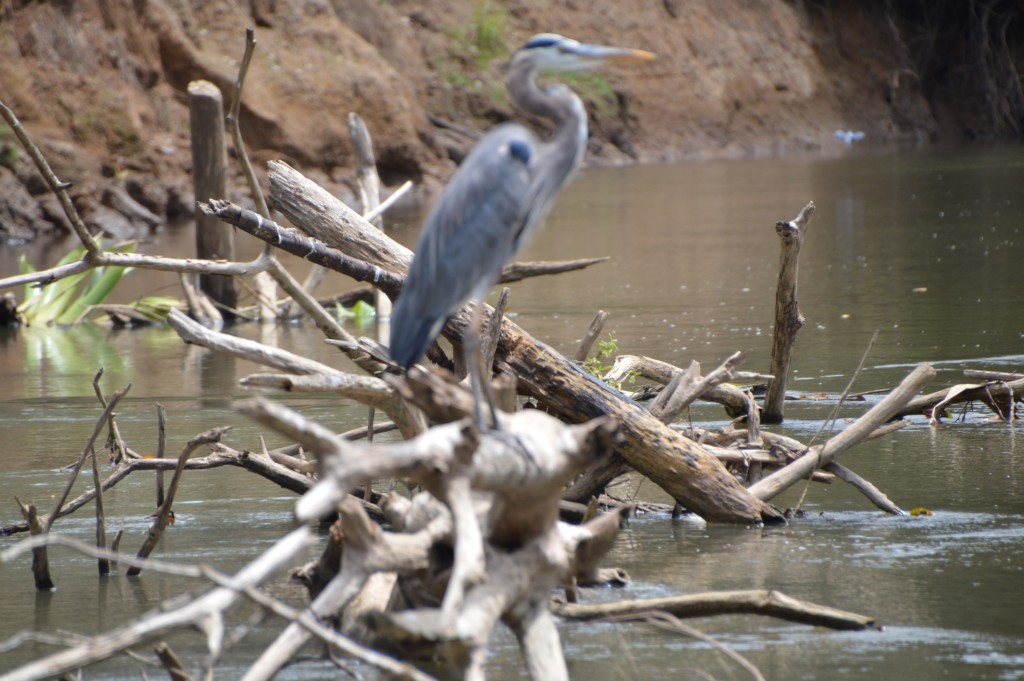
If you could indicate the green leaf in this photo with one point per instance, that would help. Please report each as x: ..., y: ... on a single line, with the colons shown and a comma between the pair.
x: 156, y: 307
x: 100, y: 285
x: 363, y: 313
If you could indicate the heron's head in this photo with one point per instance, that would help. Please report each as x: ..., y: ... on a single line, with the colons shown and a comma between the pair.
x: 550, y: 51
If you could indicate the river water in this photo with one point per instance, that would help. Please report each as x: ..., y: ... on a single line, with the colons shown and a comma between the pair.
x: 924, y: 248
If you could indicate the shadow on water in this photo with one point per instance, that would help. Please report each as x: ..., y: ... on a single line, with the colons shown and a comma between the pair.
x: 924, y: 248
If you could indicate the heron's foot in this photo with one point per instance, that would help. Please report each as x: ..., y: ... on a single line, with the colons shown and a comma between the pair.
x: 511, y: 440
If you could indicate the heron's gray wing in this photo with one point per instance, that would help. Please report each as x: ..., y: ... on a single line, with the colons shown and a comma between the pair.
x: 471, y: 232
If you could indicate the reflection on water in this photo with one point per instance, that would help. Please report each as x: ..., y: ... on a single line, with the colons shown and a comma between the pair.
x: 924, y: 248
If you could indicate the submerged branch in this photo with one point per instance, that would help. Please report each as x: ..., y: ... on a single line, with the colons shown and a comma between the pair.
x: 756, y: 602
x: 191, y: 613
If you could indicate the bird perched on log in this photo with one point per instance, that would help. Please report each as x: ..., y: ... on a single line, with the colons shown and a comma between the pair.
x: 495, y: 200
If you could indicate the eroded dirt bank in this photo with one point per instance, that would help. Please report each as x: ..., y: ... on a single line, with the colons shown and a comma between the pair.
x: 100, y: 85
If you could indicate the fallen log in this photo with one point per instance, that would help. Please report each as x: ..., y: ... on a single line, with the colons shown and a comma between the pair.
x: 816, y: 457
x: 756, y: 602
x: 682, y: 468
x: 1013, y: 390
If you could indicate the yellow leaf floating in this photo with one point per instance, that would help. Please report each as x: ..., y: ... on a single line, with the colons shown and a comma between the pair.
x: 920, y: 510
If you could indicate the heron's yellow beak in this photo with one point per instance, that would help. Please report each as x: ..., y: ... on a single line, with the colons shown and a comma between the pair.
x: 604, y: 53
x: 634, y: 55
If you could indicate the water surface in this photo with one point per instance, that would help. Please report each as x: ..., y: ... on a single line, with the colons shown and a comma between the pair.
x: 924, y: 248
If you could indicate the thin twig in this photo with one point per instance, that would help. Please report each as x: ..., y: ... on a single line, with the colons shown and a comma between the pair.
x: 830, y: 421
x: 60, y: 189
x: 164, y: 513
x: 114, y: 399
x: 236, y: 129
x: 664, y: 620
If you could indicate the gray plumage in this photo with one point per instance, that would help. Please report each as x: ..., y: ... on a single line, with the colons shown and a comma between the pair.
x: 498, y: 196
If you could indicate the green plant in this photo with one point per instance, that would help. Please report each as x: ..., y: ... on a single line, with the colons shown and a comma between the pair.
x: 66, y: 301
x: 598, y: 364
x: 8, y: 153
x: 489, y: 25
x: 8, y: 147
x: 362, y: 313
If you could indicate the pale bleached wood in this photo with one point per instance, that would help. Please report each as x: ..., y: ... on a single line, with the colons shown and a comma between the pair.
x: 158, y: 623
x: 877, y: 497
x: 925, y: 404
x: 671, y: 403
x: 368, y: 184
x: 320, y: 214
x: 727, y: 395
x: 367, y: 550
x: 776, y: 483
x: 753, y: 602
x: 369, y: 390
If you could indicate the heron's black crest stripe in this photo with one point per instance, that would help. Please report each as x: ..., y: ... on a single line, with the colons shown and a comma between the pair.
x: 540, y: 42
x: 519, y: 150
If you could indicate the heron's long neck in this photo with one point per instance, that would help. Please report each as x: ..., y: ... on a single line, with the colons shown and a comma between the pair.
x: 559, y: 105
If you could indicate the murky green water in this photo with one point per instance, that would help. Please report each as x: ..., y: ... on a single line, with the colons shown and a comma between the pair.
x: 924, y: 248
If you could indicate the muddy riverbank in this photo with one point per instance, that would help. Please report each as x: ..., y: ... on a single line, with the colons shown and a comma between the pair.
x: 101, y: 86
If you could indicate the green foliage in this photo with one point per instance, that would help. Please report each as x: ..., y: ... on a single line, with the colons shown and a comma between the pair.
x: 67, y: 300
x: 8, y: 154
x: 155, y: 308
x: 8, y: 147
x: 474, y: 48
x: 482, y: 42
x: 362, y: 314
x: 598, y: 365
x: 489, y: 25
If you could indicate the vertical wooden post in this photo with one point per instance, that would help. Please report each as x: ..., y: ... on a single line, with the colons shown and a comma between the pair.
x: 214, y: 239
x: 788, y: 319
x: 40, y: 559
x: 368, y: 182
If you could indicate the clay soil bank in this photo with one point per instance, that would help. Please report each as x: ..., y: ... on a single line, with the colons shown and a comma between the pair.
x: 100, y: 85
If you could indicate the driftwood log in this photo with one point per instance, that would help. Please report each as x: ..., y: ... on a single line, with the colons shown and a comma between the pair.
x: 691, y: 475
x: 1000, y: 394
x: 756, y: 602
x: 501, y: 492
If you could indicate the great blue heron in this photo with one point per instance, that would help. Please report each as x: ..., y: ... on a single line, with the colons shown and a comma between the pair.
x: 496, y: 198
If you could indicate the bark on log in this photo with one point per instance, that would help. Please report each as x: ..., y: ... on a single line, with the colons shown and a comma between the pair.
x: 788, y: 319
x: 593, y: 331
x: 691, y: 475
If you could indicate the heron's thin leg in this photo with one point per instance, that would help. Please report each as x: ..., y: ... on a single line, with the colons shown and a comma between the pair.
x: 478, y: 373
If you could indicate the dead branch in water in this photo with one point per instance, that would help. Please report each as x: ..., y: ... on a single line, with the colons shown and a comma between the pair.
x: 1000, y: 395
x: 788, y: 319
